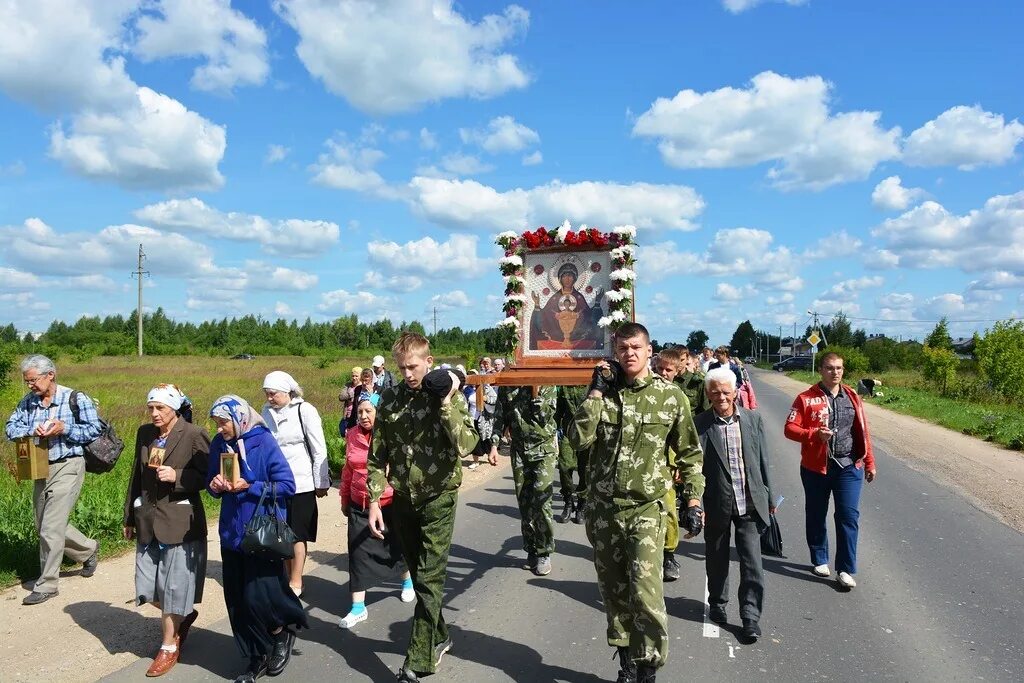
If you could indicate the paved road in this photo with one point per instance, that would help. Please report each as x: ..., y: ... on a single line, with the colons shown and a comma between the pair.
x: 939, y: 599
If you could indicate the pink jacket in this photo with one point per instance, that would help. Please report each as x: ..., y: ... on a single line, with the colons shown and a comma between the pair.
x: 353, y: 475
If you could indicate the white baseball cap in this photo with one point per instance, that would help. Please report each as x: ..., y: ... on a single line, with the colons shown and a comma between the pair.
x: 378, y: 361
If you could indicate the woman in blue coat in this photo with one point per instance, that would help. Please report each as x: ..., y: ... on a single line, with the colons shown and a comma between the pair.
x: 262, y: 610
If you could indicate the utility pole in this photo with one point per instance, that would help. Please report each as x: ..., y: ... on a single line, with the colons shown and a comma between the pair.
x: 139, y: 274
x: 780, y: 343
x: 435, y: 321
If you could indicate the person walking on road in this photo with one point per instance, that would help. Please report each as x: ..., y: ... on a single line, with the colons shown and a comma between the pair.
x: 420, y: 438
x: 569, y: 460
x: 163, y: 512
x: 642, y: 438
x: 738, y: 494
x: 531, y: 423
x: 48, y: 413
x: 836, y: 458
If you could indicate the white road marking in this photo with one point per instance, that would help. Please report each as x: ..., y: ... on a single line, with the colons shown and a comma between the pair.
x: 711, y: 629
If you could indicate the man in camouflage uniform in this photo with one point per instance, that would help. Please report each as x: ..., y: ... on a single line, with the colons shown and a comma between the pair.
x: 691, y: 381
x: 641, y: 436
x: 569, y: 400
x: 531, y: 424
x: 667, y: 365
x: 422, y: 438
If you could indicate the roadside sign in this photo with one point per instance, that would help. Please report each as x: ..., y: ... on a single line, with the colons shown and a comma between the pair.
x: 814, y: 349
x: 813, y: 339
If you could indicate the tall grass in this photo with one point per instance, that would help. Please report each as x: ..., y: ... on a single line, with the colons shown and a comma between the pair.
x: 120, y: 385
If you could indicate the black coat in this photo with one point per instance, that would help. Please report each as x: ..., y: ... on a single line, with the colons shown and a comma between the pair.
x: 718, y: 495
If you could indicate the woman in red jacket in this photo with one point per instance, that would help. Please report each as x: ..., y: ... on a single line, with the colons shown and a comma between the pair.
x: 369, y: 559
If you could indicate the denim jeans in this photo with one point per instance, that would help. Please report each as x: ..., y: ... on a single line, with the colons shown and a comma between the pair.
x: 844, y: 484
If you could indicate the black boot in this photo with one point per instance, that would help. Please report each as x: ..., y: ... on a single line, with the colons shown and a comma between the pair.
x: 570, y: 505
x: 670, y: 567
x: 577, y: 516
x: 282, y: 651
x: 645, y: 673
x: 627, y: 667
x: 257, y: 668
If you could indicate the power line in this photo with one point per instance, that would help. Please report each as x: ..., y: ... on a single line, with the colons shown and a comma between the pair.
x: 891, y: 320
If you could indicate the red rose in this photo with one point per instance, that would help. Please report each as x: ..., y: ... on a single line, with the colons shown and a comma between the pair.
x: 584, y: 237
x: 538, y: 269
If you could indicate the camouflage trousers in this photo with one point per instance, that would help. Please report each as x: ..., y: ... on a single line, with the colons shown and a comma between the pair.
x: 672, y: 526
x: 569, y: 461
x: 534, y: 481
x: 425, y: 533
x: 628, y: 543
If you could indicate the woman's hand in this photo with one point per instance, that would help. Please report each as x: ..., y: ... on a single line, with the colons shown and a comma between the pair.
x: 166, y: 474
x: 218, y: 485
x: 239, y: 486
x: 129, y: 532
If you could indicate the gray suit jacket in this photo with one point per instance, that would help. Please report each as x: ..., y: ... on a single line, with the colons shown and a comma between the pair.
x: 718, y: 495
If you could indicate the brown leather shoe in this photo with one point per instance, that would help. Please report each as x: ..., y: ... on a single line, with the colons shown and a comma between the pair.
x: 163, y: 662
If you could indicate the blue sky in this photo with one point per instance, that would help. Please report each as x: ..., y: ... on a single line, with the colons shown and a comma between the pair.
x: 294, y: 158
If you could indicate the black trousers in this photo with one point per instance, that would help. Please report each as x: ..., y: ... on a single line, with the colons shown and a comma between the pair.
x: 716, y: 562
x: 259, y: 601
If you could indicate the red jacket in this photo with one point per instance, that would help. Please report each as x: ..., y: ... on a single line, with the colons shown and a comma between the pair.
x: 353, y: 475
x: 807, y: 416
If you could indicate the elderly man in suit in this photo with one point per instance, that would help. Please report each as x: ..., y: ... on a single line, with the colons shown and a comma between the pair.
x: 737, y: 494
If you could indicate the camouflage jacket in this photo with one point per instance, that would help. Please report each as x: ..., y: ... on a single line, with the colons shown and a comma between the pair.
x: 640, y: 436
x: 569, y: 401
x: 530, y: 421
x: 421, y: 441
x: 692, y: 384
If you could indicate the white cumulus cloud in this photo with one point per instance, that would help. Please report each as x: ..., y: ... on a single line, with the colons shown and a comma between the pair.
x: 966, y: 137
x: 455, y: 299
x: 533, y: 158
x: 276, y: 153
x: 775, y: 119
x: 502, y: 134
x: 387, y: 57
x: 426, y: 257
x: 737, y: 6
x: 365, y: 304
x: 891, y: 195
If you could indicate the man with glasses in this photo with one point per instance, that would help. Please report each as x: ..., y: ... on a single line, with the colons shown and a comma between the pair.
x: 835, y: 459
x: 46, y: 413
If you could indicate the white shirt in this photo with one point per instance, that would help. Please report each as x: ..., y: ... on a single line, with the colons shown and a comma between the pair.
x: 284, y: 425
x: 707, y: 363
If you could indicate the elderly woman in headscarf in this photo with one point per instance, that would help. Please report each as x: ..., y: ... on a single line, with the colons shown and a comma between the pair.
x: 347, y: 397
x: 366, y: 387
x: 299, y: 432
x: 164, y: 513
x: 262, y: 609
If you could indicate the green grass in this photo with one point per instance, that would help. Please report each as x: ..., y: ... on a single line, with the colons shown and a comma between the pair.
x: 906, y: 391
x: 120, y: 385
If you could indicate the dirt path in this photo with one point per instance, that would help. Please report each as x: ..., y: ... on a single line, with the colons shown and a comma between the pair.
x: 94, y: 628
x: 991, y: 477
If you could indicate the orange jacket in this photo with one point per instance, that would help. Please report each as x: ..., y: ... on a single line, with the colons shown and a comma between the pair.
x: 807, y: 416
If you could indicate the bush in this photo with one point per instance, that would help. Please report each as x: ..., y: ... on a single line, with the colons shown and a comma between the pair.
x: 1000, y: 355
x: 854, y: 362
x: 7, y: 362
x: 940, y: 368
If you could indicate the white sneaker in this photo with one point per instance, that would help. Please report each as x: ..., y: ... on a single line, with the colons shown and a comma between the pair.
x: 822, y: 570
x: 350, y: 620
x: 846, y: 581
x: 408, y: 594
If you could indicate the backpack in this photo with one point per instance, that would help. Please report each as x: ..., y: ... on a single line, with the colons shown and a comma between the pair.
x: 101, y: 453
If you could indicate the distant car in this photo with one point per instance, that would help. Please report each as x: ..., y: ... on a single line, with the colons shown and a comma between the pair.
x: 793, y: 363
x: 243, y: 356
x: 749, y: 359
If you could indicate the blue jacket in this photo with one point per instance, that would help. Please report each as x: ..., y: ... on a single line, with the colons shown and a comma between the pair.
x: 264, y: 463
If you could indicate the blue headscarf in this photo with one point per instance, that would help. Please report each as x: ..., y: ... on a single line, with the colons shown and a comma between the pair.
x: 236, y: 409
x: 373, y: 398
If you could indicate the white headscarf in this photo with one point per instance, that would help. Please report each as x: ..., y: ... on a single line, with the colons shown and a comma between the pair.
x: 167, y: 394
x: 279, y: 380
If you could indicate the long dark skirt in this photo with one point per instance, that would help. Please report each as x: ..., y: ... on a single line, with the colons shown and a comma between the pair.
x: 371, y: 560
x: 258, y: 600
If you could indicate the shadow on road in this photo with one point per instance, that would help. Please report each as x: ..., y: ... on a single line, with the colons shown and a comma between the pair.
x: 506, y: 510
x: 517, y: 661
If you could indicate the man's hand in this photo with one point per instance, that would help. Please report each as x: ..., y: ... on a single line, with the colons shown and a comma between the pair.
x: 50, y: 428
x: 321, y: 493
x: 454, y: 390
x: 166, y: 474
x: 492, y: 457
x: 605, y: 380
x: 376, y: 521
x: 693, y: 520
x: 870, y: 475
x: 824, y: 434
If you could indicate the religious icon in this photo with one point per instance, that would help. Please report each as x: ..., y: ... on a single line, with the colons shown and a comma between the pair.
x: 229, y: 467
x: 32, y: 461
x: 156, y: 457
x: 566, y: 291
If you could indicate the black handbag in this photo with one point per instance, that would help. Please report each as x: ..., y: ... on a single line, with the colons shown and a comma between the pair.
x: 101, y: 453
x: 267, y: 535
x: 771, y: 538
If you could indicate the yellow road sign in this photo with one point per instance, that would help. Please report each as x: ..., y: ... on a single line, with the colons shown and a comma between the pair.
x: 814, y: 338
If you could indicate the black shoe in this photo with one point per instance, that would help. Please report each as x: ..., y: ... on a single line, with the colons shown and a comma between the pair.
x: 282, y: 652
x: 627, y: 667
x: 645, y: 673
x: 570, y: 505
x: 34, y: 598
x: 440, y: 649
x: 89, y: 566
x: 531, y: 561
x: 751, y: 630
x: 577, y: 516
x: 670, y: 567
x: 716, y: 613
x: 408, y: 675
x: 257, y: 668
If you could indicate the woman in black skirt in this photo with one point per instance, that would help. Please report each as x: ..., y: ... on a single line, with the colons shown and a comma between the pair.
x: 262, y: 610
x: 369, y: 560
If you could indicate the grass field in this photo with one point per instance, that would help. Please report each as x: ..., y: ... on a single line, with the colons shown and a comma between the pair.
x: 120, y: 385
x: 907, y: 392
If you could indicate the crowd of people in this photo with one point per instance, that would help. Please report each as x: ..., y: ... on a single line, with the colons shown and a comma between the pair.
x: 658, y: 446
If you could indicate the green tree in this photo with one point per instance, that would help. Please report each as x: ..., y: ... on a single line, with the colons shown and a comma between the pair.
x: 940, y: 367
x: 743, y: 338
x: 1000, y: 355
x: 9, y: 334
x: 697, y: 340
x: 854, y: 361
x: 939, y: 337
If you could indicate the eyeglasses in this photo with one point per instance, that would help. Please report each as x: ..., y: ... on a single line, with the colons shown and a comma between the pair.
x: 36, y: 380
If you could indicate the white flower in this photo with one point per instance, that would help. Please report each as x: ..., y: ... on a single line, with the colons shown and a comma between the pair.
x: 613, y: 295
x: 512, y: 260
x: 516, y: 297
x: 622, y: 274
x: 605, y: 321
x: 617, y: 316
x: 509, y: 322
x: 629, y: 230
x: 507, y: 235
x: 622, y: 252
x: 562, y: 231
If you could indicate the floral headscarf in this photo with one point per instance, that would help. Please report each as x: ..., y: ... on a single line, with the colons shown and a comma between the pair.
x: 236, y: 409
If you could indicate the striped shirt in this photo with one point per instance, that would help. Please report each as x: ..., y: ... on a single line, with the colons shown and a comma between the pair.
x: 31, y: 413
x: 729, y: 429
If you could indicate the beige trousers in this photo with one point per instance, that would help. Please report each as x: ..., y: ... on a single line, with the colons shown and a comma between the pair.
x: 54, y: 499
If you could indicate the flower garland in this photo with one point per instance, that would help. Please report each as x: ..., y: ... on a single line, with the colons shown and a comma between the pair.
x: 516, y: 245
